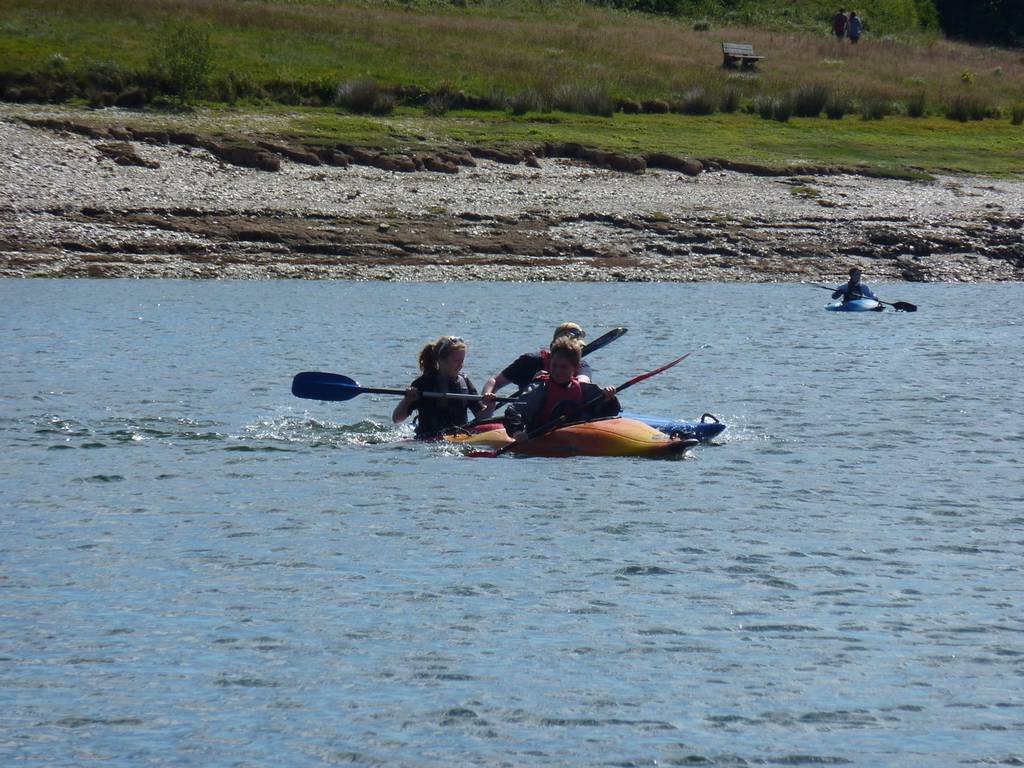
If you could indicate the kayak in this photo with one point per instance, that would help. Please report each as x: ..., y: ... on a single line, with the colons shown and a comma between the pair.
x: 704, y: 430
x: 616, y: 436
x: 855, y: 305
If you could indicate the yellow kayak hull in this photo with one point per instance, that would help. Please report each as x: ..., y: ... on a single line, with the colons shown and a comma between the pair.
x: 603, y: 437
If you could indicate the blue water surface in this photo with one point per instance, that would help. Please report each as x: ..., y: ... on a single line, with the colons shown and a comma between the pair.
x: 197, y: 569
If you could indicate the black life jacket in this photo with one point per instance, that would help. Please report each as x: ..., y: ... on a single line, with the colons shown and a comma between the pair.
x: 435, y: 414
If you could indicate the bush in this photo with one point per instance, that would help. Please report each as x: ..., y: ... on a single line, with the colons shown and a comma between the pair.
x: 697, y: 102
x: 182, y: 59
x: 58, y: 62
x: 730, y: 101
x: 1017, y: 113
x: 774, y: 108
x: 837, y: 106
x: 496, y: 98
x: 628, y: 106
x: 437, y: 105
x: 963, y: 107
x: 107, y: 76
x: 874, y: 107
x: 810, y: 100
x: 916, y: 104
x: 364, y: 97
x: 236, y: 86
x: 527, y: 100
x: 701, y: 25
x: 583, y: 100
x: 655, y: 106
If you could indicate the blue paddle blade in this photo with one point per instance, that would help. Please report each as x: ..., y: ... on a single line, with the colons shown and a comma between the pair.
x: 314, y: 385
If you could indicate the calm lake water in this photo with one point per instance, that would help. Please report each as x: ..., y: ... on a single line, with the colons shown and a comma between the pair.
x: 197, y: 569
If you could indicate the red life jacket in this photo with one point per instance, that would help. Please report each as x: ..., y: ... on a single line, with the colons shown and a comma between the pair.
x: 556, y: 395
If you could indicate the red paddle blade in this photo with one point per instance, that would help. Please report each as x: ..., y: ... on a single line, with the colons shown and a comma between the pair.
x: 655, y: 372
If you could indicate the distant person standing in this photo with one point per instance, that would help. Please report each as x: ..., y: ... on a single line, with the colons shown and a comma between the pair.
x: 839, y: 24
x: 854, y: 27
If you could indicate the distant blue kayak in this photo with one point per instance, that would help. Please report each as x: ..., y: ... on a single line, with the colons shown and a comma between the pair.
x: 855, y: 305
x: 707, y: 428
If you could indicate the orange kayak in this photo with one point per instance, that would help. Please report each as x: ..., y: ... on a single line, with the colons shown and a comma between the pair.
x: 601, y: 437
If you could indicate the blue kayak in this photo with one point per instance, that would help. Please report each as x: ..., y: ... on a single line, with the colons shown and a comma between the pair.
x: 854, y: 305
x: 707, y: 428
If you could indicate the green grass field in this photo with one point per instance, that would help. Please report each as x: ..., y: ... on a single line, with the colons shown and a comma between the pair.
x: 266, y: 53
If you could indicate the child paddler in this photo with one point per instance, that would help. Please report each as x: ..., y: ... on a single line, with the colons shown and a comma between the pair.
x: 524, y: 368
x: 559, y: 391
x: 441, y: 364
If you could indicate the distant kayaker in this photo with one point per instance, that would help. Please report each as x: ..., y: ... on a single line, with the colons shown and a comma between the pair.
x: 559, y: 391
x: 441, y: 364
x: 853, y: 288
x: 525, y: 367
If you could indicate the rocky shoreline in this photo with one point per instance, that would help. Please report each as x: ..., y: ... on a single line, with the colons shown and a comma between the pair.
x: 82, y: 201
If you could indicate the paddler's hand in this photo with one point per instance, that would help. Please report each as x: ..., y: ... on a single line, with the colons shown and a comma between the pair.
x: 411, y: 396
x: 488, y: 400
x: 609, y: 393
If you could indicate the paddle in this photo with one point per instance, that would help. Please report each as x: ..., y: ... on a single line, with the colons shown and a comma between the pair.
x: 543, y: 429
x: 899, y: 306
x: 603, y: 340
x: 315, y: 385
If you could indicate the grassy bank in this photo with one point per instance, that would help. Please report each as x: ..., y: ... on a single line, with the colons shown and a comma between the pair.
x: 535, y: 57
x: 897, y: 146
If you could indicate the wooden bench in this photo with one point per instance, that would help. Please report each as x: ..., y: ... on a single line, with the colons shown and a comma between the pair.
x: 739, y: 53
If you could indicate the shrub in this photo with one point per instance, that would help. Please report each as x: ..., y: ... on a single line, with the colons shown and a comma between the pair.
x: 701, y: 25
x: 628, y: 106
x: 874, y: 107
x: 236, y: 86
x: 963, y: 107
x: 697, y: 102
x: 107, y: 76
x: 437, y: 105
x: 182, y: 59
x: 916, y: 104
x: 730, y: 101
x: 527, y: 100
x: 58, y: 62
x: 838, y: 105
x: 655, y: 106
x: 364, y: 97
x: 496, y: 98
x: 583, y: 100
x: 1017, y: 113
x: 810, y: 100
x: 774, y: 108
